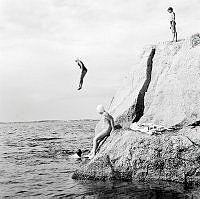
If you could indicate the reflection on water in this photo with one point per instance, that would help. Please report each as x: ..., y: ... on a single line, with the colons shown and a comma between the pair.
x: 35, y: 163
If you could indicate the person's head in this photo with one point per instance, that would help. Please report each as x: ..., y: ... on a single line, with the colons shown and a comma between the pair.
x: 100, y: 109
x: 77, y: 60
x: 79, y: 152
x: 170, y: 9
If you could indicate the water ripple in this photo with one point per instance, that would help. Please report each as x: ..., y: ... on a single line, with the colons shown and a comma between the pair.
x: 35, y: 163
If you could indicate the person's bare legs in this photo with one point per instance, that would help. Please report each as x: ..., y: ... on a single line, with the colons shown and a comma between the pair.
x: 174, y: 33
x: 97, y: 139
x: 97, y: 145
x: 176, y: 36
x: 81, y: 79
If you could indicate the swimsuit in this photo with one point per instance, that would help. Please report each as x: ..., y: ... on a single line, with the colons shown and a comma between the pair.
x: 172, y: 22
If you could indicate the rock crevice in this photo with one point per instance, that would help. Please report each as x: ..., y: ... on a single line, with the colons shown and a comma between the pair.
x: 139, y: 107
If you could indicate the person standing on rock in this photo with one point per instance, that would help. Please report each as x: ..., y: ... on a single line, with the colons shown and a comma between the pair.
x: 102, y: 130
x: 83, y: 72
x: 172, y: 23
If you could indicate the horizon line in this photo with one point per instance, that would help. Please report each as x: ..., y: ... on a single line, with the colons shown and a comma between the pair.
x: 40, y: 121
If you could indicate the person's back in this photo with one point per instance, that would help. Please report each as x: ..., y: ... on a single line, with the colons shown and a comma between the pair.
x: 102, y: 130
x: 104, y: 123
x: 107, y: 121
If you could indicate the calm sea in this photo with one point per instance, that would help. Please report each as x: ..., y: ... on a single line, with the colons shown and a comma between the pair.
x: 35, y: 162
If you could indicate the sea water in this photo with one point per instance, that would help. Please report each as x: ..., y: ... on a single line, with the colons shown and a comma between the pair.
x: 36, y: 162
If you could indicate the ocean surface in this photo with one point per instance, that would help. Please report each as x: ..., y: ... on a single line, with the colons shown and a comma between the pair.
x: 36, y: 162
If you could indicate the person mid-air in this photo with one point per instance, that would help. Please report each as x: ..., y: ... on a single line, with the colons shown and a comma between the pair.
x: 83, y: 72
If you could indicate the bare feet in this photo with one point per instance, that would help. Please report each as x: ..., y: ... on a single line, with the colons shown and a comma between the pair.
x: 79, y: 88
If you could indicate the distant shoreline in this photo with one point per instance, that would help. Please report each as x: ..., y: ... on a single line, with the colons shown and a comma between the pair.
x: 43, y: 121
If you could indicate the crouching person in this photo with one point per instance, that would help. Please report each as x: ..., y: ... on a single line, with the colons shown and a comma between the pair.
x: 102, y: 130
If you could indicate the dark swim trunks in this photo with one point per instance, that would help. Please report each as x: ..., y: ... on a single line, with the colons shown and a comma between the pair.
x: 173, y: 26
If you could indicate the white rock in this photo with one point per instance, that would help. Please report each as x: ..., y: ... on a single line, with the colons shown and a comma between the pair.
x: 173, y: 96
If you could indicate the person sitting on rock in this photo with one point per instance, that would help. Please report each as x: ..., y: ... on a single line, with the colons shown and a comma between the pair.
x: 102, y: 130
x: 172, y: 23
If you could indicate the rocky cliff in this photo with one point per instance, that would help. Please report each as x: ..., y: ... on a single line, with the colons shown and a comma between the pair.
x: 162, y: 89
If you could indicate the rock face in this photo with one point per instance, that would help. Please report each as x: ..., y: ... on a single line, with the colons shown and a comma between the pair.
x: 172, y: 96
x: 131, y: 155
x: 163, y: 89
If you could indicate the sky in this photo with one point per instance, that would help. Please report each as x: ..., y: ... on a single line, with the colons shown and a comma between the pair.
x: 40, y: 39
